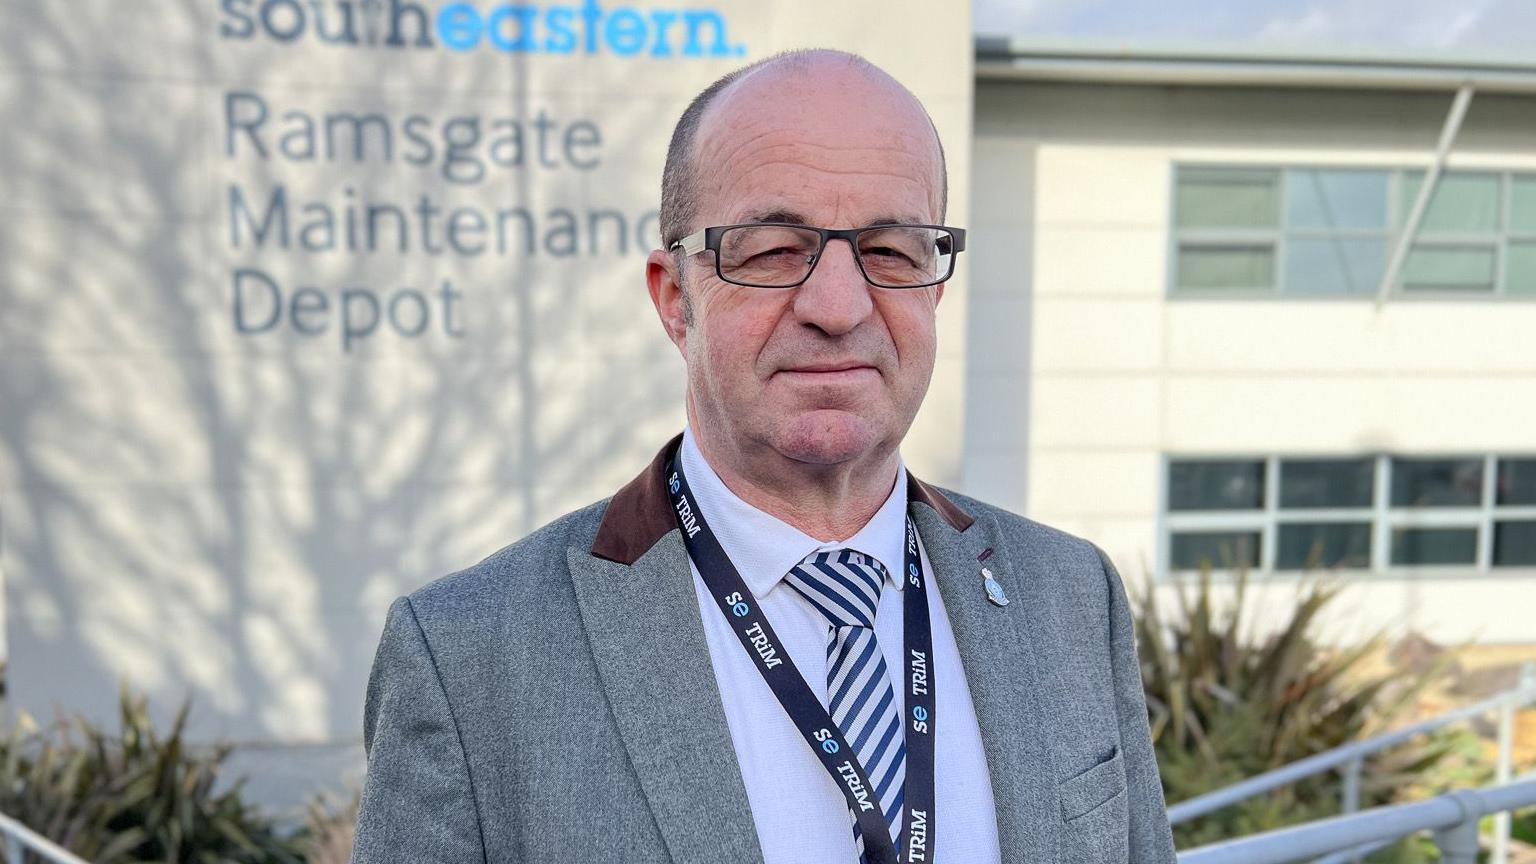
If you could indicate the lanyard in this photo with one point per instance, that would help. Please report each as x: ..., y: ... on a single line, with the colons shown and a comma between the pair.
x: 737, y: 604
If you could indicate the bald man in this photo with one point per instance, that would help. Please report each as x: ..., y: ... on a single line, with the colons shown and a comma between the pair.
x: 775, y: 644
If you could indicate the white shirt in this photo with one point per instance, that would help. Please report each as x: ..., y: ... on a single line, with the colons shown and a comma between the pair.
x: 800, y: 813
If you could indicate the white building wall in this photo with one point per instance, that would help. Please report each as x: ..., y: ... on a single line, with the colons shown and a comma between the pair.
x: 1104, y: 373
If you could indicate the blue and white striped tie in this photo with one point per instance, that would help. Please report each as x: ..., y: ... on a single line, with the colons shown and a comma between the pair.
x: 844, y: 586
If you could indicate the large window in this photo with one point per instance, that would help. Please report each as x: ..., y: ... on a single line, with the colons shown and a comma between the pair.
x: 1258, y: 231
x: 1471, y: 513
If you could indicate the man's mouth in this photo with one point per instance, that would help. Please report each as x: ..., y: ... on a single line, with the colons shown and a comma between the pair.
x: 842, y: 366
x: 843, y: 372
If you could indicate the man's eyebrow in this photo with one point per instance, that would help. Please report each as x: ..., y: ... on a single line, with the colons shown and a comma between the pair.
x: 774, y: 216
x: 895, y: 220
x: 781, y: 215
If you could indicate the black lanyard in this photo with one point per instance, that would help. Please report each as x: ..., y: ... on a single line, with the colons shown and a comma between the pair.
x: 738, y: 605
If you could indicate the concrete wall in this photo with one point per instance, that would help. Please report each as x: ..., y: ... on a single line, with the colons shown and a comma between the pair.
x: 1084, y: 373
x: 202, y: 505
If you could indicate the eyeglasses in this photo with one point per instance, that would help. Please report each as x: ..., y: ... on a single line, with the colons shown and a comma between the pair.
x: 782, y: 254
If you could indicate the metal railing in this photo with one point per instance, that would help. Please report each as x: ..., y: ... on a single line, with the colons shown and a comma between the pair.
x: 1361, y: 833
x: 1349, y: 760
x: 19, y: 840
x: 1453, y: 818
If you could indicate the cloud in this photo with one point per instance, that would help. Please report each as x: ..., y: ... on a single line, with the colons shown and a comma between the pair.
x: 1496, y: 27
x: 1013, y: 17
x: 1412, y: 24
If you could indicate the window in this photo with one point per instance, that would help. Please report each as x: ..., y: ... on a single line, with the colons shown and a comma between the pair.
x: 1514, y: 538
x: 1470, y: 513
x: 1310, y: 232
x: 1520, y: 261
x: 1216, y: 486
x: 1437, y: 482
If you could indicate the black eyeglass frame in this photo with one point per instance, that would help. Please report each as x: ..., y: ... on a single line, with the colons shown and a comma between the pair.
x: 709, y: 239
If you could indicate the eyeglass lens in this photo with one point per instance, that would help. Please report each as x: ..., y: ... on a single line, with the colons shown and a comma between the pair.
x: 771, y: 256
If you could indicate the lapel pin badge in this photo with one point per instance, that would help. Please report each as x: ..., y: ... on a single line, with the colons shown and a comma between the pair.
x: 994, y: 588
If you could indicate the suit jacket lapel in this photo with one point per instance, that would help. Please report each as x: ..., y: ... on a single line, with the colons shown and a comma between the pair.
x: 643, y: 623
x: 1000, y: 671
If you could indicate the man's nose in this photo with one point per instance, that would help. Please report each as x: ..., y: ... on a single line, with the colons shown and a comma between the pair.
x: 836, y: 297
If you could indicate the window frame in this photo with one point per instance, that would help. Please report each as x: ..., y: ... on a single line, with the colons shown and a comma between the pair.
x: 1499, y: 241
x: 1382, y: 517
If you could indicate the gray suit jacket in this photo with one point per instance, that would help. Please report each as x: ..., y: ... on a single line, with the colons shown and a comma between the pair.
x: 556, y: 703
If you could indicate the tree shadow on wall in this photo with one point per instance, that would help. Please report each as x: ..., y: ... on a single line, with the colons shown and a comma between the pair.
x: 202, y: 513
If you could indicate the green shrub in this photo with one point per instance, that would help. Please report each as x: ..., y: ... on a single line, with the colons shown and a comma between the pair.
x: 133, y: 796
x: 1225, y: 707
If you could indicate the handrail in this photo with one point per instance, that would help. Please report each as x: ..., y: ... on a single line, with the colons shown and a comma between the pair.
x: 1349, y: 856
x: 1453, y: 818
x: 19, y: 838
x: 1301, y: 769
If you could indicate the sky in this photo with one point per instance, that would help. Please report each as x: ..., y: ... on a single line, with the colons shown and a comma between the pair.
x: 1494, y: 29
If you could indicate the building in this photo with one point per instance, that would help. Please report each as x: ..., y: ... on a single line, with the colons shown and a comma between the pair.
x: 306, y: 304
x: 1184, y: 342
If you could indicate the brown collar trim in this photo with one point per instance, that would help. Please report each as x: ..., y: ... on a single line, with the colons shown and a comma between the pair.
x: 922, y: 493
x: 639, y: 514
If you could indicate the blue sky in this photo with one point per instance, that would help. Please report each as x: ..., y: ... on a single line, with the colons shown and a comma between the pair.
x: 1494, y: 28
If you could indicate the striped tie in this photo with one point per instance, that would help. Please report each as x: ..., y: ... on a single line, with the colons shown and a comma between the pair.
x: 844, y: 586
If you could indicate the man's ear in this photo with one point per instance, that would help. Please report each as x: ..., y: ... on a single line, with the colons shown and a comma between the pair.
x: 665, y: 283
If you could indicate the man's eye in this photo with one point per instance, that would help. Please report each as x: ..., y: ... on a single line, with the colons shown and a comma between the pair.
x: 887, y: 252
x: 782, y: 251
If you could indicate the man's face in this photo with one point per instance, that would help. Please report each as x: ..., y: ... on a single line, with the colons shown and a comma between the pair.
x: 835, y: 369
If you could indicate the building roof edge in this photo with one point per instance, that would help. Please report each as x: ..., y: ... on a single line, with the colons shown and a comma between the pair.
x: 1006, y: 58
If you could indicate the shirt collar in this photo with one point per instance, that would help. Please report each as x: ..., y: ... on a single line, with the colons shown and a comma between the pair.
x: 763, y: 548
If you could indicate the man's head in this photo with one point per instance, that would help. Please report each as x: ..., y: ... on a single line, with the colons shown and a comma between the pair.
x: 830, y: 372
x: 679, y: 179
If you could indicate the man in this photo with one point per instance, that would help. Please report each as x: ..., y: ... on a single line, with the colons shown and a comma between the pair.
x: 737, y: 658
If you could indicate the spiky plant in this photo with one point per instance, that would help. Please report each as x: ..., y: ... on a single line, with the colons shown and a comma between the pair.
x: 133, y: 796
x: 1226, y: 706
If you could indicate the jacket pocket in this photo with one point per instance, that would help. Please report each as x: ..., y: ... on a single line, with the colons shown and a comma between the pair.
x: 1095, y: 815
x: 1085, y: 792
